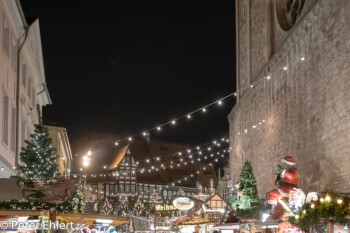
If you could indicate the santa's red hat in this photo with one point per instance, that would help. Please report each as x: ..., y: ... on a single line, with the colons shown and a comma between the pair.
x: 288, y: 160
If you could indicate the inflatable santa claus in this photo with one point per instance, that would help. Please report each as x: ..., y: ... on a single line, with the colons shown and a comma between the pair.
x: 287, y: 181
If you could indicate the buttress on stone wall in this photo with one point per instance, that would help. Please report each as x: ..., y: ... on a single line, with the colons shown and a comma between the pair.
x: 306, y: 108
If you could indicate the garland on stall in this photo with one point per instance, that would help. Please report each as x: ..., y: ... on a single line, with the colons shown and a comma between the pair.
x: 64, y: 207
x: 330, y: 207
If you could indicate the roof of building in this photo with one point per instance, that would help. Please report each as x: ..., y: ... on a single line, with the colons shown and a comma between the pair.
x: 118, y: 157
x: 105, y: 153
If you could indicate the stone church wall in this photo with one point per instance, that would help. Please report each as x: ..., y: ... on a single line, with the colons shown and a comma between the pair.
x: 303, y: 111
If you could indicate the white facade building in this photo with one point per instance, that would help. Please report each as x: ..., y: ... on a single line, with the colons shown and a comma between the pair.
x: 22, y: 79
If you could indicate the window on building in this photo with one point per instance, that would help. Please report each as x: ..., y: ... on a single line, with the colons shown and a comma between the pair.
x: 140, y: 189
x: 133, y: 188
x: 224, y: 194
x: 170, y: 193
x: 13, y: 130
x: 121, y: 188
x: 145, y: 189
x: 14, y: 56
x: 94, y: 188
x: 128, y: 159
x: 24, y: 74
x: 6, y: 39
x: 5, y: 132
x: 127, y: 188
x: 29, y: 87
x: 111, y: 188
x: 165, y: 193
x: 116, y: 188
x: 128, y: 173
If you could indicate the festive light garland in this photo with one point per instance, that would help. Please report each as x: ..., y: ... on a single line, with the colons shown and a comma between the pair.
x: 191, y: 160
x: 330, y: 207
x: 215, y: 143
x: 184, y: 179
x: 191, y: 151
x: 173, y: 122
x: 261, y: 77
x: 185, y: 161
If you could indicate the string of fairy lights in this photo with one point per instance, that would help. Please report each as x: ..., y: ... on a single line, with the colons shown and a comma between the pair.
x: 183, y: 157
x: 174, y: 163
x: 184, y: 161
x: 175, y: 185
x: 214, y: 158
x: 264, y: 76
x: 199, y: 149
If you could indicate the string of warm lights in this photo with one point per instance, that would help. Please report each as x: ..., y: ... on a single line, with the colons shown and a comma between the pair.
x: 182, y: 161
x: 199, y: 149
x: 174, y: 121
x: 218, y: 155
x: 185, y: 161
x: 265, y: 76
x: 191, y: 176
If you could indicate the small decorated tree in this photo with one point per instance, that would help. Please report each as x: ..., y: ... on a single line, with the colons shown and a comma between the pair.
x: 77, y: 202
x: 245, y: 200
x: 248, y: 186
x: 38, y: 158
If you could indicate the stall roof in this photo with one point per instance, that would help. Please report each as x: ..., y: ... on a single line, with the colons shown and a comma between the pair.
x: 89, y: 219
x: 78, y: 218
x: 24, y: 213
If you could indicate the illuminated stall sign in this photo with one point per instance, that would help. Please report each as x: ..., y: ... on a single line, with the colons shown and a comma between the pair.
x: 183, y: 203
x: 165, y: 207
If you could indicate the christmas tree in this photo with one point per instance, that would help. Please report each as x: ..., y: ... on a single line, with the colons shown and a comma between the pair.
x: 38, y: 158
x: 244, y: 201
x: 248, y: 186
x: 78, y: 198
x: 247, y: 195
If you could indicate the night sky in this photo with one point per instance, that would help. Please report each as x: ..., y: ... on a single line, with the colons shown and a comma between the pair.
x: 125, y: 66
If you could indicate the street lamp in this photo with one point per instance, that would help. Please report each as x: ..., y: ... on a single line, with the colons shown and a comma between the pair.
x: 86, y: 162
